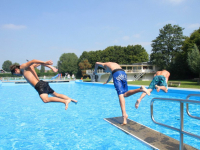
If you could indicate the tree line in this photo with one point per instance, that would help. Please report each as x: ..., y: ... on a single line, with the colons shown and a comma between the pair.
x: 171, y: 50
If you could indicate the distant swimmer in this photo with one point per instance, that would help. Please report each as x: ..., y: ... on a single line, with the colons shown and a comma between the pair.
x: 28, y: 71
x: 120, y: 83
x: 159, y: 82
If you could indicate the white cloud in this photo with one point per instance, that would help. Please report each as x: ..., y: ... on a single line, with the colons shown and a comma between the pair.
x: 125, y: 38
x: 194, y: 26
x: 115, y: 41
x: 13, y: 27
x: 174, y: 2
x: 136, y: 35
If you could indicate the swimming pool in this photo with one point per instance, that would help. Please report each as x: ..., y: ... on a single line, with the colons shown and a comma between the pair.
x: 28, y: 123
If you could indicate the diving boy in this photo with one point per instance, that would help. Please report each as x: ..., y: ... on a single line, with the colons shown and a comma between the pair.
x: 120, y: 83
x: 159, y: 82
x: 28, y: 71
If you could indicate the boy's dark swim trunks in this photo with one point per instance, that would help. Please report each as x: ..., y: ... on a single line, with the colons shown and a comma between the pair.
x: 43, y: 87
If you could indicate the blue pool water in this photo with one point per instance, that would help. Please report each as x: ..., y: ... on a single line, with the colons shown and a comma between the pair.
x: 28, y: 123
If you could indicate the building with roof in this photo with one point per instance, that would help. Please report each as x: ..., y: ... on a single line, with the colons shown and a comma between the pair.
x: 138, y: 71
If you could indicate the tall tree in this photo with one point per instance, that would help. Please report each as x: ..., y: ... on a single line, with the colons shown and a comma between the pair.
x: 37, y: 70
x: 167, y: 45
x: 135, y: 54
x: 190, y: 41
x: 68, y: 63
x: 16, y: 64
x: 84, y: 65
x: 84, y: 55
x: 180, y: 68
x: 121, y: 55
x: 42, y: 69
x: 194, y: 60
x: 6, y: 65
x: 94, y: 56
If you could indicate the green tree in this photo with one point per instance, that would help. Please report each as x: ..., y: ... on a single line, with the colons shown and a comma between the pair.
x: 6, y: 65
x: 167, y: 45
x: 94, y: 56
x: 135, y: 54
x: 121, y: 55
x: 84, y: 65
x: 194, y: 60
x: 190, y: 41
x: 16, y: 64
x: 84, y: 55
x: 68, y: 63
x: 42, y: 70
x: 37, y: 70
x: 180, y: 69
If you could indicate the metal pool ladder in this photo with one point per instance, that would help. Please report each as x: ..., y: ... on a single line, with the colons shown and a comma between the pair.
x: 180, y: 130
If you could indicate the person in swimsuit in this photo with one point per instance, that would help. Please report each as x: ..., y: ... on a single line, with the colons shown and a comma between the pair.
x: 159, y: 82
x: 120, y: 83
x: 28, y: 71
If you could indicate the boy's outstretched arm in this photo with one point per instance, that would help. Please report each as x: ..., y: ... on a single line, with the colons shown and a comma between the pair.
x: 52, y: 68
x: 34, y: 61
x: 97, y: 64
x: 49, y: 66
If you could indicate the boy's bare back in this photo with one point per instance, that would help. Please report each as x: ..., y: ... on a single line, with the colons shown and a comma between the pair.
x: 165, y: 73
x: 112, y: 65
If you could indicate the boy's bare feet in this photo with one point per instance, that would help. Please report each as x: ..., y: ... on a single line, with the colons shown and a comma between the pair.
x: 124, y: 120
x: 157, y: 88
x: 66, y: 104
x: 73, y: 100
x: 137, y: 104
x: 145, y: 90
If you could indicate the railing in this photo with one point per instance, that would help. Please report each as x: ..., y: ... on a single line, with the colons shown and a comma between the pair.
x: 4, y: 79
x: 127, y: 71
x: 139, y: 76
x: 181, y: 131
x: 98, y: 71
x: 187, y: 106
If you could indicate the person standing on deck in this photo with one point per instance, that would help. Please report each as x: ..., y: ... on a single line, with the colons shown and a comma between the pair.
x: 28, y: 71
x: 120, y: 83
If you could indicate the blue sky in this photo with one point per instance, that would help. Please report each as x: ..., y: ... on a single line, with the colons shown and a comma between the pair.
x: 46, y: 29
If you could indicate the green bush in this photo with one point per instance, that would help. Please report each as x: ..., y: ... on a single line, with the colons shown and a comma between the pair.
x: 173, y: 85
x: 39, y: 74
x: 6, y: 75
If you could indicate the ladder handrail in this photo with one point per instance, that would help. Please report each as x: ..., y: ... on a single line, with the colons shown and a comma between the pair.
x: 181, y: 131
x: 187, y: 106
x: 139, y: 75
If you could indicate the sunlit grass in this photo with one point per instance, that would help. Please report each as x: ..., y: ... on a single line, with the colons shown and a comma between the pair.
x: 184, y: 83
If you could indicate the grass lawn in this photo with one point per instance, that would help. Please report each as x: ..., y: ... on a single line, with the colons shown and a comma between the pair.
x: 184, y: 83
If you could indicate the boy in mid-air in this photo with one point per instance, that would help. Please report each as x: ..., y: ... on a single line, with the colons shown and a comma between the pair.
x: 120, y: 83
x: 159, y: 82
x: 43, y: 88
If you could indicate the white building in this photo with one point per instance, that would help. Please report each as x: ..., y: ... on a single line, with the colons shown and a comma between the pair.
x: 2, y: 71
x: 138, y: 71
